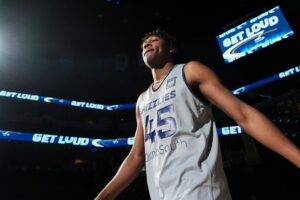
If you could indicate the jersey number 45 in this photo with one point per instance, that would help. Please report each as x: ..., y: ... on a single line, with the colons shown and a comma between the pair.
x: 165, y: 126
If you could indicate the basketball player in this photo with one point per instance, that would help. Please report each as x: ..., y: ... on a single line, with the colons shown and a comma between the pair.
x: 176, y: 136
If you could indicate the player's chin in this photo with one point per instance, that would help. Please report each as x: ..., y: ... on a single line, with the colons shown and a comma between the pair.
x: 152, y: 62
x: 149, y: 62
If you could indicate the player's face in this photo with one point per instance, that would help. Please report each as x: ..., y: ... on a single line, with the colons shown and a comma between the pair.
x: 155, y: 51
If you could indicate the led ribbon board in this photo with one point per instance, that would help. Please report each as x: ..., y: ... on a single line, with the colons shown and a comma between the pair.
x: 88, y: 142
x: 81, y: 104
x: 254, y: 34
x: 65, y: 140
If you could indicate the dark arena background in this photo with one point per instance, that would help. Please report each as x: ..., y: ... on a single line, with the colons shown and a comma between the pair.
x: 57, y: 55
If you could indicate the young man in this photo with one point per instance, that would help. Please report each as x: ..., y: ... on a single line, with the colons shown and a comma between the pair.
x: 176, y: 135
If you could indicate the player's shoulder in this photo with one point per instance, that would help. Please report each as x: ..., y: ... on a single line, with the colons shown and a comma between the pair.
x: 197, y: 67
x: 193, y: 64
x: 139, y: 100
x: 194, y: 68
x: 196, y: 72
x: 141, y: 97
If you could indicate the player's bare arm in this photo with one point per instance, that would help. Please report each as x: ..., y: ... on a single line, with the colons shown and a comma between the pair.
x: 252, y: 121
x: 130, y: 167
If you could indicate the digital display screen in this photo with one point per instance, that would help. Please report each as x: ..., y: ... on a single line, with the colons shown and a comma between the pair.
x: 254, y: 34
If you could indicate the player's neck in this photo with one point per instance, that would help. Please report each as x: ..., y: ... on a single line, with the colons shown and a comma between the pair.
x: 159, y: 74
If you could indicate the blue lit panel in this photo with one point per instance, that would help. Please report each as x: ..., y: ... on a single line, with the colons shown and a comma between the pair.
x: 257, y: 33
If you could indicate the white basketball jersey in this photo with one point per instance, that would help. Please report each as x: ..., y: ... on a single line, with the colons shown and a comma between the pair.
x: 183, y: 158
